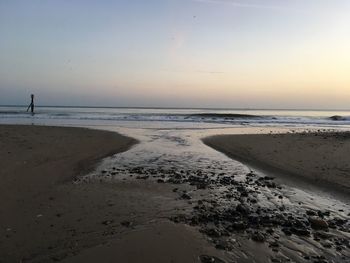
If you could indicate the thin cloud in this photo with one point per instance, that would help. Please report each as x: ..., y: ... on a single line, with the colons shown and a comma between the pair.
x: 245, y: 5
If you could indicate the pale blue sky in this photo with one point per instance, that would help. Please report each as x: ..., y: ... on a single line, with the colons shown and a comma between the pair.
x: 191, y: 53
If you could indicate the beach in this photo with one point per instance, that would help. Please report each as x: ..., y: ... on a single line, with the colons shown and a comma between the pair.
x: 321, y: 158
x: 195, y: 131
x: 82, y: 195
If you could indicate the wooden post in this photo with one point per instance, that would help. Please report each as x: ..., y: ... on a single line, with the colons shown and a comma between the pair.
x: 31, y: 105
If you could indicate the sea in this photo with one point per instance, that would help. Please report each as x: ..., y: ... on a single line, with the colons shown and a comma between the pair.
x: 172, y: 116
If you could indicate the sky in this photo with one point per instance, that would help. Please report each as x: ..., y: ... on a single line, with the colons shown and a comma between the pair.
x: 291, y: 54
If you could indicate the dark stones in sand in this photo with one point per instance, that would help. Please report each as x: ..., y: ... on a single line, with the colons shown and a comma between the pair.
x: 270, y: 184
x: 322, y: 214
x: 301, y: 231
x: 311, y: 213
x: 227, y: 180
x: 175, y: 181
x: 201, y: 182
x: 212, y: 232
x: 186, y: 196
x: 268, y: 178
x: 326, y: 244
x: 224, y: 245
x: 258, y: 236
x: 321, y: 235
x: 236, y: 209
x: 126, y: 223
x: 240, y: 225
x: 179, y: 219
x: 270, y: 231
x: 144, y: 177
x: 210, y: 259
x: 274, y: 244
x: 287, y: 231
x: 243, y: 209
x: 317, y: 223
x: 295, y: 226
x: 107, y: 222
x: 337, y: 222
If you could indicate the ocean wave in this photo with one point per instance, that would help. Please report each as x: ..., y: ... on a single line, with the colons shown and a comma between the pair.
x: 339, y: 118
x: 226, y: 116
x: 172, y: 116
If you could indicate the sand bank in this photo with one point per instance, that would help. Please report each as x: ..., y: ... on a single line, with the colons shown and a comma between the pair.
x: 36, y: 163
x: 321, y: 158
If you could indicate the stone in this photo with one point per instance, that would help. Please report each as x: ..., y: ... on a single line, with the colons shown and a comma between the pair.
x: 317, y: 223
x: 258, y: 236
x: 186, y: 196
x: 243, y: 209
x: 107, y: 222
x: 212, y: 232
x: 224, y: 245
x: 126, y: 223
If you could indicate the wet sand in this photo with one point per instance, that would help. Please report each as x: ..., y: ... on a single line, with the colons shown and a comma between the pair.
x: 244, y: 215
x: 38, y: 165
x: 47, y: 217
x: 169, y: 198
x: 318, y: 158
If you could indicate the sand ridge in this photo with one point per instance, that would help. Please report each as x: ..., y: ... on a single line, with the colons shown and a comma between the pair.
x: 321, y: 158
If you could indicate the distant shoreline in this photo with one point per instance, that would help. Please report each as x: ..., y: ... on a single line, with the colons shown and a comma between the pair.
x: 172, y: 108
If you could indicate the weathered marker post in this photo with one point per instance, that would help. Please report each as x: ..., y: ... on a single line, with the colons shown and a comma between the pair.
x: 31, y: 105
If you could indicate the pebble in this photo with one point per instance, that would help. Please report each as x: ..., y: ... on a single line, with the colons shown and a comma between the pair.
x: 236, y: 209
x: 126, y: 223
x: 258, y: 237
x: 186, y: 196
x: 317, y: 223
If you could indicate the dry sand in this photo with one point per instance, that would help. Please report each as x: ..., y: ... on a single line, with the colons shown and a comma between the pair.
x: 44, y: 217
x: 322, y: 158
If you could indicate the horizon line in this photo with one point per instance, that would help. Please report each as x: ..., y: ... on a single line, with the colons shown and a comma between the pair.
x: 172, y: 108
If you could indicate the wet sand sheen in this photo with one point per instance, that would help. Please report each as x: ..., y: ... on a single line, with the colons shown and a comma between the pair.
x: 46, y: 218
x: 220, y: 208
x: 321, y: 158
x: 247, y: 215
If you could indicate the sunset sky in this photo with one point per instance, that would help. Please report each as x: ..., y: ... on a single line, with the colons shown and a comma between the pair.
x: 176, y: 53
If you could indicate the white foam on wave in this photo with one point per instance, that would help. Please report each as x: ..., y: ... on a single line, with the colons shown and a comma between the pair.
x: 173, y: 115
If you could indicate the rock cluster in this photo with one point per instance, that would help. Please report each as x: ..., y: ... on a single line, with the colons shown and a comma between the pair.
x: 254, y: 207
